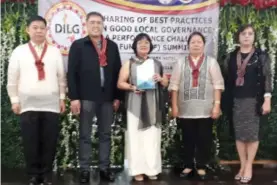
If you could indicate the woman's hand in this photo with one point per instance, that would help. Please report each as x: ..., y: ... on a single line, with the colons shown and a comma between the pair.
x: 174, y: 111
x: 266, y: 107
x: 135, y: 90
x: 157, y: 77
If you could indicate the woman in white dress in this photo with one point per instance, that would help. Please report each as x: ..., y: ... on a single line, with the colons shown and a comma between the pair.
x: 144, y: 110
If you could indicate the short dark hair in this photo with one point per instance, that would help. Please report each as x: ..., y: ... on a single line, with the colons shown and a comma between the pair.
x: 140, y: 37
x: 196, y: 33
x: 242, y: 28
x: 95, y: 14
x: 36, y: 18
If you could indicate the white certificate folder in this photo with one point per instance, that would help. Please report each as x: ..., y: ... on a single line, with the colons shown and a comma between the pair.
x: 145, y: 74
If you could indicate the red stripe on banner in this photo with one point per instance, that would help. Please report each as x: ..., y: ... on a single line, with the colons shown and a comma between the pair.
x: 170, y: 12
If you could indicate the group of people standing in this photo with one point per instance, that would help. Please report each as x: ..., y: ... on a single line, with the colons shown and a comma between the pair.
x: 97, y: 83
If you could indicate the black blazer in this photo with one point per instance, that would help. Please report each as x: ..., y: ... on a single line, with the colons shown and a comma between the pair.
x: 263, y: 82
x: 83, y: 76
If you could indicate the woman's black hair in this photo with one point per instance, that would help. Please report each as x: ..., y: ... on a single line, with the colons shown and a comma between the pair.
x: 196, y: 33
x: 242, y: 28
x: 140, y: 37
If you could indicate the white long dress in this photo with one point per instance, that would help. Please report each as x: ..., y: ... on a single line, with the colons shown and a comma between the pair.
x: 143, y: 145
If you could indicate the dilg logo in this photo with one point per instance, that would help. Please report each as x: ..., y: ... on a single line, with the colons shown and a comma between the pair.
x: 66, y: 23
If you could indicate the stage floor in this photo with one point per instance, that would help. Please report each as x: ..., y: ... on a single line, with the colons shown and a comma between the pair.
x: 262, y: 176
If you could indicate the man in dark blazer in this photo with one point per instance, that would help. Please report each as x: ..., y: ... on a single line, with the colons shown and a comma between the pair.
x: 93, y: 68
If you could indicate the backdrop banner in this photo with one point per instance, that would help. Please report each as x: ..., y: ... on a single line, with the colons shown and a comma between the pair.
x: 168, y: 22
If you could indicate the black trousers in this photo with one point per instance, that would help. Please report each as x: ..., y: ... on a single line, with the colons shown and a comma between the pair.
x: 197, y: 140
x: 40, y: 132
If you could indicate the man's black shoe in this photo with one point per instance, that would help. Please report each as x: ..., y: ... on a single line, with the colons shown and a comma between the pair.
x: 84, y: 176
x: 107, y: 175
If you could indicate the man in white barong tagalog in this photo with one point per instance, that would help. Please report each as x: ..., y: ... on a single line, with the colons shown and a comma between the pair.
x: 36, y: 88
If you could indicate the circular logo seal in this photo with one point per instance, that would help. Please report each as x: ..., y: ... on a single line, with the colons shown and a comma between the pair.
x: 65, y: 23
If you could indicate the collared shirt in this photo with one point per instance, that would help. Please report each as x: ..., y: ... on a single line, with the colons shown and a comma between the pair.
x: 196, y: 102
x: 195, y: 60
x: 38, y: 48
x: 23, y: 85
x: 102, y: 76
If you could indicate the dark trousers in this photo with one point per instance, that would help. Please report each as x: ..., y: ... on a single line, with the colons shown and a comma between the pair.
x: 40, y: 132
x: 104, y: 114
x: 197, y: 140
